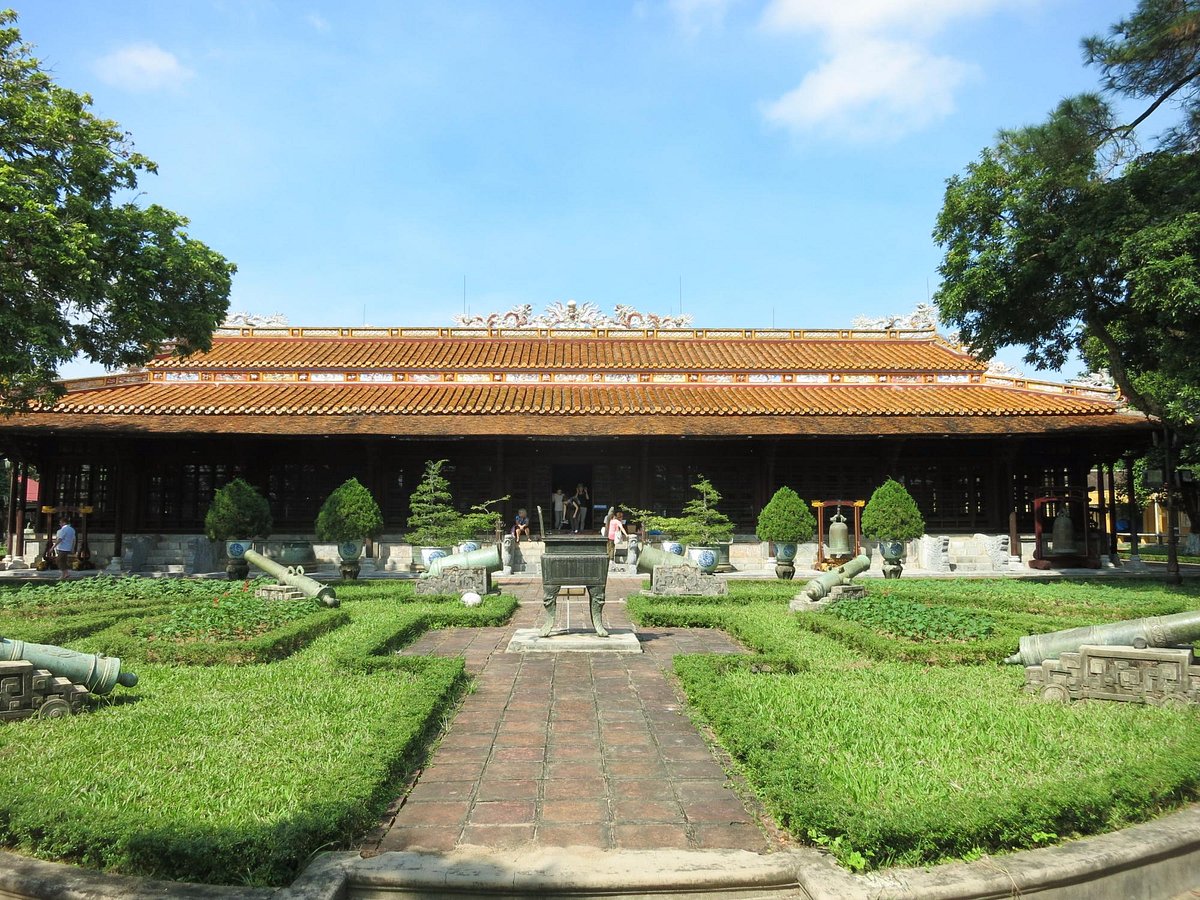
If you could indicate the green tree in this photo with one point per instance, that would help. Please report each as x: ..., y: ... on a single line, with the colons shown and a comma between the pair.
x: 1154, y: 56
x: 892, y: 514
x: 701, y: 523
x: 349, y: 513
x: 785, y: 519
x: 433, y: 520
x: 1062, y: 237
x: 83, y: 268
x: 238, y: 511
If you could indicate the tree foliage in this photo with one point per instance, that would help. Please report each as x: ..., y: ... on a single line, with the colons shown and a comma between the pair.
x: 700, y: 523
x: 238, y: 511
x: 349, y: 513
x: 85, y: 269
x: 785, y: 519
x: 892, y: 514
x: 1057, y: 238
x: 433, y: 521
x: 1154, y: 56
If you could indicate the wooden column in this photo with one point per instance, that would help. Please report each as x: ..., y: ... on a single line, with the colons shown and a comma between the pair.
x: 643, y: 476
x: 1112, y: 493
x: 1135, y: 513
x: 10, y: 518
x: 1101, y: 503
x: 119, y: 505
x: 22, y: 493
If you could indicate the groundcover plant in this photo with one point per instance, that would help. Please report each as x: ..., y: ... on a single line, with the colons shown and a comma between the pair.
x: 252, y: 742
x: 897, y: 737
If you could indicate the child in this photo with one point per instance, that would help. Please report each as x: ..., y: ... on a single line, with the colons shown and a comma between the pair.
x: 521, y: 525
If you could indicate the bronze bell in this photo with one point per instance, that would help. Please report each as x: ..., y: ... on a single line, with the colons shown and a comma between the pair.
x: 1062, y: 538
x: 839, y: 535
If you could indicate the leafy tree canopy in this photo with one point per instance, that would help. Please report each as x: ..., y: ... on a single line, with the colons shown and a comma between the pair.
x: 83, y: 268
x: 1060, y: 239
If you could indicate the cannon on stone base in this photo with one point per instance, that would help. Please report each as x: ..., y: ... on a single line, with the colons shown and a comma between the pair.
x: 823, y: 584
x: 293, y: 583
x: 1178, y: 630
x: 650, y: 558
x: 459, y: 572
x: 50, y: 681
x: 1148, y: 660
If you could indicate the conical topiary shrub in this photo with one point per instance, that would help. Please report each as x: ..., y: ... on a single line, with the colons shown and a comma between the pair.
x: 786, y: 521
x: 891, y: 516
x: 347, y: 517
x: 238, y: 512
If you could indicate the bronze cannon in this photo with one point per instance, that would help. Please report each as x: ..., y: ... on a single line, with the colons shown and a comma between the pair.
x: 1178, y: 630
x: 823, y: 584
x: 486, y: 558
x: 95, y: 671
x: 294, y: 577
x: 650, y: 557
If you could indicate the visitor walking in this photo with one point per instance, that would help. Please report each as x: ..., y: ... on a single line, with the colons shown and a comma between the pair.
x: 64, y: 546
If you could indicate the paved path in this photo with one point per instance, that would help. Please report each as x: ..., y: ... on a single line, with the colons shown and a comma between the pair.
x: 573, y: 749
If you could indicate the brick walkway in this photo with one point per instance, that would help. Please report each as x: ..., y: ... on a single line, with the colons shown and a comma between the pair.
x: 572, y: 749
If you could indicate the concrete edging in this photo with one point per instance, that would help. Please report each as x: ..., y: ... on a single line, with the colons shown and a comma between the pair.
x: 1158, y: 859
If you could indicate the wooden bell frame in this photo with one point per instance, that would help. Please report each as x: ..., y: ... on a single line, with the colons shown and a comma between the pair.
x: 823, y: 562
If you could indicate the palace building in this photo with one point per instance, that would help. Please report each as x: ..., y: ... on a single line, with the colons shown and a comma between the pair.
x: 633, y: 407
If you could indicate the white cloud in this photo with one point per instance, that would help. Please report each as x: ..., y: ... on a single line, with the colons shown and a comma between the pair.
x: 871, y: 16
x: 875, y: 89
x: 878, y: 79
x: 694, y: 16
x: 318, y: 22
x: 143, y: 67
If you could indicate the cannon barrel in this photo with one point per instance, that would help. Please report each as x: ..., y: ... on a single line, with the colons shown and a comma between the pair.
x: 295, y: 577
x: 1153, y: 631
x: 486, y: 558
x: 95, y: 671
x: 823, y: 584
x: 649, y: 557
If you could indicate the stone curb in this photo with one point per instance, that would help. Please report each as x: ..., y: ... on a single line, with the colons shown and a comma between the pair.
x: 1158, y: 859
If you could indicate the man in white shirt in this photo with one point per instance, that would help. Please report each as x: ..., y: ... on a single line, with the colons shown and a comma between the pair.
x: 64, y: 546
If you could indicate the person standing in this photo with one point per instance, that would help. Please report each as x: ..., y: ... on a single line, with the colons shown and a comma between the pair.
x: 582, y: 501
x: 616, y: 532
x: 560, y: 506
x: 64, y: 546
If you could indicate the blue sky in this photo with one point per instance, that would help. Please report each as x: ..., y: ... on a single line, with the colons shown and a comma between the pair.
x: 776, y: 162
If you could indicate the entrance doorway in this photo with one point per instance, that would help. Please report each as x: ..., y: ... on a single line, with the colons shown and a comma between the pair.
x: 567, y: 476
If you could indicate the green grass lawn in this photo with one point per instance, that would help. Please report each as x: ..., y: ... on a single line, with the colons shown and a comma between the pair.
x: 889, y: 749
x: 229, y: 773
x: 888, y: 733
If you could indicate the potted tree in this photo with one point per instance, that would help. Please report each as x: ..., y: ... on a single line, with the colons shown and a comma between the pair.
x: 787, y: 521
x: 891, y: 517
x: 348, y: 516
x: 434, y: 524
x: 482, y: 522
x: 238, y: 514
x: 702, y: 526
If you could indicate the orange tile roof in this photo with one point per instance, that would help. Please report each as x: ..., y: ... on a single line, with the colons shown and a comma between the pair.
x: 687, y: 351
x: 546, y: 409
x: 440, y: 381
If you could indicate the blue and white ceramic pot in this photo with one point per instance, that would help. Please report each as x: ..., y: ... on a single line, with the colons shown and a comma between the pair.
x: 705, y: 558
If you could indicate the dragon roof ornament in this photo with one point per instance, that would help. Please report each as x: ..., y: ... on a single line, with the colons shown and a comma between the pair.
x: 250, y: 320
x: 573, y: 315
